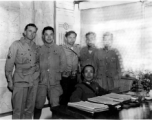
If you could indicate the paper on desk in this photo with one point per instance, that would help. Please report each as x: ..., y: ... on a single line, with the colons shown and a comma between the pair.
x: 88, y: 106
x: 104, y: 100
x: 122, y: 97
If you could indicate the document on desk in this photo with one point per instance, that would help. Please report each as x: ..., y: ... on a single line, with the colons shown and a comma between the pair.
x: 88, y: 106
x: 120, y: 97
x: 110, y: 99
x: 104, y: 100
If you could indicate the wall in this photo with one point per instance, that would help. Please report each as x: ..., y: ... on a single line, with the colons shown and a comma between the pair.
x: 131, y: 26
x: 43, y: 16
x: 14, y: 15
x: 67, y: 18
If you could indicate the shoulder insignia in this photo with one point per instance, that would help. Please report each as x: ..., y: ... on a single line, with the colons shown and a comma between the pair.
x: 9, y: 56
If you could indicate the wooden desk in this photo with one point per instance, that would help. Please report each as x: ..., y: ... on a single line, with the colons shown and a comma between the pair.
x: 66, y: 112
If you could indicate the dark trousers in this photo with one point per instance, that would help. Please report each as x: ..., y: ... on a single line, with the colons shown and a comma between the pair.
x: 68, y: 86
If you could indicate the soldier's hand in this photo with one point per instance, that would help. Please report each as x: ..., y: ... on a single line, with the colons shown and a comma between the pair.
x: 10, y: 85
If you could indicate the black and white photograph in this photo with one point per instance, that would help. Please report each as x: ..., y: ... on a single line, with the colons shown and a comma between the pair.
x: 76, y: 59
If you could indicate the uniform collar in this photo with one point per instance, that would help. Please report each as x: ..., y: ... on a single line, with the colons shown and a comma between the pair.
x: 88, y: 82
x: 24, y: 41
x: 107, y: 49
x: 68, y: 46
x: 49, y: 45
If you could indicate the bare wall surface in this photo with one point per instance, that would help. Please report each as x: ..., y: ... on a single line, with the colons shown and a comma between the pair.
x: 43, y: 16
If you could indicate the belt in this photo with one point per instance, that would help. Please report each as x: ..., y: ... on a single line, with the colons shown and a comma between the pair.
x: 25, y: 71
x: 69, y: 73
x: 23, y: 66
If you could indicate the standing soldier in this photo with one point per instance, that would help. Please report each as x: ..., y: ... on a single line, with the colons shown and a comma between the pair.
x: 107, y: 64
x: 87, y: 52
x: 69, y: 79
x: 23, y: 55
x: 52, y: 63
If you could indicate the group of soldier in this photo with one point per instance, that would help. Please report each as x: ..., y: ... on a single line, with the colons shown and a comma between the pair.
x: 35, y: 72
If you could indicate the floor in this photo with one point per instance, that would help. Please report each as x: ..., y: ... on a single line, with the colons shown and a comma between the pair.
x: 46, y: 113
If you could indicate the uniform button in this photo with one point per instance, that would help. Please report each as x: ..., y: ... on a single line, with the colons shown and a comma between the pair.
x: 28, y: 49
x: 48, y: 70
x: 30, y: 54
x: 30, y: 60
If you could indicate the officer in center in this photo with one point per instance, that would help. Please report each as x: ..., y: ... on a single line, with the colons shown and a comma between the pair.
x: 69, y: 77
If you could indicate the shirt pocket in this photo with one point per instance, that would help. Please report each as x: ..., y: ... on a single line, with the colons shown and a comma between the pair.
x: 101, y: 62
x: 56, y: 56
x: 22, y: 56
x: 113, y: 62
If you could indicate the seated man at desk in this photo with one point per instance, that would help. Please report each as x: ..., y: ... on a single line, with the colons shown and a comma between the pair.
x: 88, y: 88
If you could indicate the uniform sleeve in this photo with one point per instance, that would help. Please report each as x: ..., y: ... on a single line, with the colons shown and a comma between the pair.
x: 95, y: 59
x: 63, y: 59
x: 102, y: 91
x: 76, y: 95
x: 118, y: 62
x: 10, y: 60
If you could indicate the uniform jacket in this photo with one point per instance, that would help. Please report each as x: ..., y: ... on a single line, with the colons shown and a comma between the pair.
x: 52, y: 63
x: 107, y: 67
x: 82, y: 92
x: 25, y: 59
x: 86, y: 57
x: 72, y: 56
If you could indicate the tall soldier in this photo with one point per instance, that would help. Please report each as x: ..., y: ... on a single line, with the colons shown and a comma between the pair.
x: 87, y: 52
x: 23, y: 55
x: 69, y: 79
x: 107, y: 64
x: 52, y: 64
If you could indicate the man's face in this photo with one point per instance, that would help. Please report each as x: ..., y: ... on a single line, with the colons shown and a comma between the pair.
x: 48, y: 36
x: 30, y: 32
x: 71, y: 39
x: 88, y: 73
x: 107, y: 41
x: 90, y: 40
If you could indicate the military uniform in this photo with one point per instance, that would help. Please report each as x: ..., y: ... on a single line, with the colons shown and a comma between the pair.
x: 69, y: 79
x: 87, y: 90
x: 87, y: 58
x: 107, y: 67
x: 52, y: 64
x: 25, y: 77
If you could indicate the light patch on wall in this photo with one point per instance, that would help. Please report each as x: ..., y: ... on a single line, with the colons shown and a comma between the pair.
x: 128, y: 38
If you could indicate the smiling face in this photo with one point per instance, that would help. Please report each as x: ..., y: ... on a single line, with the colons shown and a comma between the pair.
x: 30, y: 32
x: 48, y: 36
x: 88, y: 73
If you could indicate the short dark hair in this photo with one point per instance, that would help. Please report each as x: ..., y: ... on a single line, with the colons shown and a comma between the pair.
x: 89, y: 33
x: 83, y: 69
x: 69, y: 33
x: 47, y: 28
x: 30, y: 24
